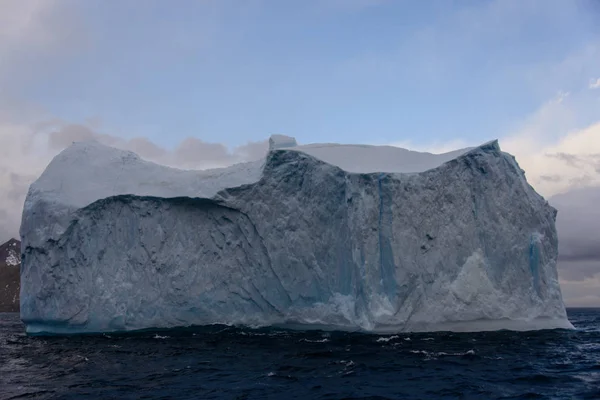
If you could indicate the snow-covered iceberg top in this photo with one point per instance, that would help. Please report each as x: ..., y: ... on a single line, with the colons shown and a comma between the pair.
x: 89, y: 171
x: 375, y: 238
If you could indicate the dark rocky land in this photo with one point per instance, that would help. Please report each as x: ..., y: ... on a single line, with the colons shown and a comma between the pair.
x: 10, y: 284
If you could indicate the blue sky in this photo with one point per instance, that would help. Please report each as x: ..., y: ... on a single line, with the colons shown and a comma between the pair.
x: 329, y: 70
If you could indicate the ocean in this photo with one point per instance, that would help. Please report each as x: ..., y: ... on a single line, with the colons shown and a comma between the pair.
x: 221, y: 362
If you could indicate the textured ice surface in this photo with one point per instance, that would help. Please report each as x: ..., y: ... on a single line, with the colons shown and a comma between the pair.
x: 312, y: 236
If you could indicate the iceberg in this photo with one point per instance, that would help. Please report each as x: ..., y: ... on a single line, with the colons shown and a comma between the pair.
x: 324, y: 236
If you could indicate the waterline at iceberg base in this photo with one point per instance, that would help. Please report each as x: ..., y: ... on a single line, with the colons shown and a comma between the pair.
x: 311, y: 236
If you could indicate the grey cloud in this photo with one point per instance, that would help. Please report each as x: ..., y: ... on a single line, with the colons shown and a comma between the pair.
x: 581, y: 181
x: 14, y: 189
x: 253, y: 150
x: 6, y: 227
x: 66, y: 135
x: 195, y: 151
x: 71, y: 133
x: 550, y: 178
x: 19, y: 187
x: 578, y: 226
x: 36, y: 37
x: 570, y: 159
x: 596, y: 161
x: 581, y: 293
x: 578, y: 270
x: 190, y: 153
x: 146, y: 149
x: 577, y: 160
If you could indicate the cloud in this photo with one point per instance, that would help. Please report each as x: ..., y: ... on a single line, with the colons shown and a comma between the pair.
x: 573, y: 160
x: 559, y: 144
x: 577, y: 223
x: 595, y: 84
x: 191, y: 150
x: 34, y: 30
x: 147, y: 149
x: 582, y: 293
x: 191, y: 153
x: 22, y: 19
x: 550, y: 178
x: 66, y: 135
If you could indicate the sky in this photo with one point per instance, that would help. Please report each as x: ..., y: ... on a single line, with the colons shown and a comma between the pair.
x: 204, y: 83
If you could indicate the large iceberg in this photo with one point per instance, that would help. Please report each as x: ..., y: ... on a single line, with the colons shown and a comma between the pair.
x: 328, y: 236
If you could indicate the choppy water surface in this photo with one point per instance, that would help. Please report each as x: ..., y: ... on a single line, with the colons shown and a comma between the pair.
x: 235, y: 363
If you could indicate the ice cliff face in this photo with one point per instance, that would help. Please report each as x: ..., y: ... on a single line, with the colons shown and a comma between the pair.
x: 311, y: 236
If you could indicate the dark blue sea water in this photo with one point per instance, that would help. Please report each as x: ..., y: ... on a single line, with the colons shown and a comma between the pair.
x: 233, y: 363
